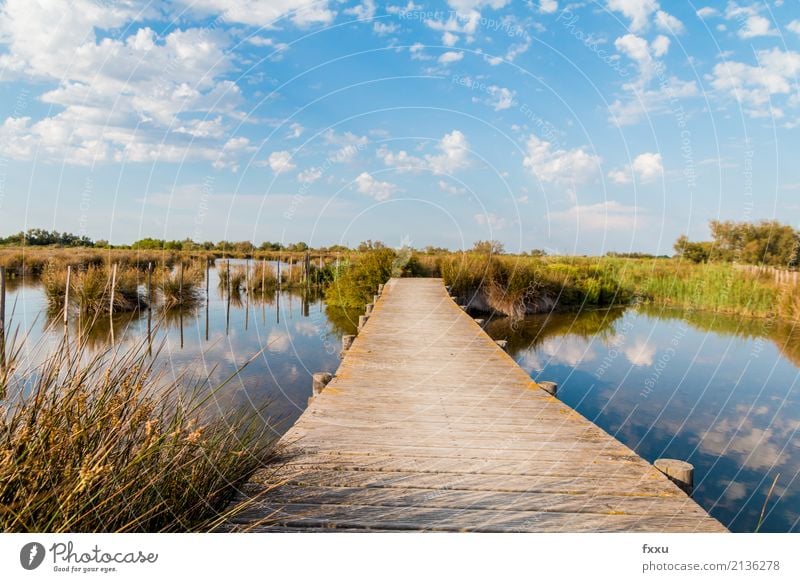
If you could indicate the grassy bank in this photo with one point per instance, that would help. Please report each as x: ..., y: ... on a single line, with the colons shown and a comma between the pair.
x: 106, y: 443
x: 516, y: 286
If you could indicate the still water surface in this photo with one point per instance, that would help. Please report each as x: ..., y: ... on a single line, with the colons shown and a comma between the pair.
x: 717, y: 391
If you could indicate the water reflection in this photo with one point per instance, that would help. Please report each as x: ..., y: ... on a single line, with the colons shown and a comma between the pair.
x: 291, y: 333
x: 720, y: 392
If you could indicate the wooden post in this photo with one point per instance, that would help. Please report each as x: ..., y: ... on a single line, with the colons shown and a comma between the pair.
x: 679, y: 472
x: 228, y: 308
x: 279, y: 271
x: 380, y: 288
x: 368, y: 309
x: 66, y: 295
x: 347, y: 341
x: 550, y: 387
x: 362, y: 321
x: 502, y: 343
x: 180, y: 286
x: 113, y: 289
x: 375, y: 299
x: 319, y: 381
x: 263, y: 278
x: 478, y: 320
x: 247, y: 293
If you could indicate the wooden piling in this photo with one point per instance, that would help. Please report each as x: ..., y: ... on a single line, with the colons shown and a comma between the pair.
x: 550, y: 387
x: 113, y: 289
x: 375, y: 299
x: 347, y: 341
x: 362, y: 321
x: 319, y: 381
x: 380, y: 288
x: 66, y: 295
x: 502, y: 343
x: 478, y: 320
x: 368, y: 309
x: 679, y: 472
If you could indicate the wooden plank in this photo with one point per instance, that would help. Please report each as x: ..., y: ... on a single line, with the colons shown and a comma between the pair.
x: 429, y: 426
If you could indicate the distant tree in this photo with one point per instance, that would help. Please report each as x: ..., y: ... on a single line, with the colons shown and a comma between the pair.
x: 370, y: 245
x: 148, y: 244
x: 337, y: 249
x: 538, y: 253
x: 697, y: 252
x: 270, y: 246
x: 489, y: 247
x: 297, y: 247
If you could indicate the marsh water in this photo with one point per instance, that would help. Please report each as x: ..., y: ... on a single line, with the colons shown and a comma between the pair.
x: 719, y: 392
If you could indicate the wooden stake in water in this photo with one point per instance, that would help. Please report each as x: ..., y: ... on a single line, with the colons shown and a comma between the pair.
x: 246, y: 294
x: 279, y: 272
x: 149, y: 306
x: 208, y: 285
x: 66, y: 296
x: 180, y: 302
x: 263, y: 278
x: 228, y: 308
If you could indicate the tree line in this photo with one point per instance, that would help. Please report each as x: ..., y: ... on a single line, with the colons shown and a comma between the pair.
x: 767, y: 242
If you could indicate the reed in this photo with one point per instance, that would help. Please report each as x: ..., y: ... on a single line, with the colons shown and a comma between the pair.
x: 107, y: 443
x: 181, y: 290
x: 263, y: 279
x: 91, y: 290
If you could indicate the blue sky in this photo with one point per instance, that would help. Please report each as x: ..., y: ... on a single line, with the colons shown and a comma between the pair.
x: 576, y: 127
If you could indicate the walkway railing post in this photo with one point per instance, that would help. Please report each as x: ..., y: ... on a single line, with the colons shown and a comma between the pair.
x: 679, y: 472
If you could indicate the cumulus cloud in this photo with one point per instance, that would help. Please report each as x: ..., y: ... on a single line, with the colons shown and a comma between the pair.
x: 646, y: 167
x: 548, y: 6
x: 281, y: 162
x: 549, y: 164
x: 640, y: 13
x: 756, y: 87
x: 453, y: 155
x: 140, y: 97
x: 451, y: 57
x: 376, y: 189
x: 258, y: 13
x: 309, y: 175
x: 751, y: 23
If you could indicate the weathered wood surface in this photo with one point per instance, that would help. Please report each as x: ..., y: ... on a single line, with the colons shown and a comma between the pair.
x: 430, y: 425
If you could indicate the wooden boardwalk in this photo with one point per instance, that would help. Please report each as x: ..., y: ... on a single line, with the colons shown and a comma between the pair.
x: 429, y: 425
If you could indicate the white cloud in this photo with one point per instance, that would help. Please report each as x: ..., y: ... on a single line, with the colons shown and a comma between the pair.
x: 309, y: 175
x: 464, y: 5
x: 281, y: 162
x: 401, y: 160
x: 707, y: 12
x: 453, y: 156
x: 756, y: 87
x: 449, y: 39
x: 454, y: 149
x: 501, y: 97
x: 380, y: 191
x: 794, y: 26
x: 417, y: 52
x: 660, y: 45
x: 645, y: 102
x: 348, y: 145
x: 491, y: 220
x: 638, y: 11
x: 646, y: 167
x: 559, y: 165
x: 451, y: 57
x: 548, y: 6
x: 259, y: 13
x: 609, y: 215
x: 140, y: 97
x: 751, y: 23
x: 363, y: 11
x: 295, y: 131
x: 669, y: 23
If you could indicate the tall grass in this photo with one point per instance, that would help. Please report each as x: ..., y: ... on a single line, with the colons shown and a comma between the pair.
x: 105, y: 443
x: 354, y: 283
x: 516, y: 286
x: 181, y: 286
